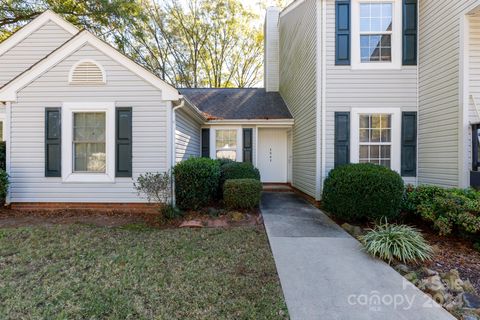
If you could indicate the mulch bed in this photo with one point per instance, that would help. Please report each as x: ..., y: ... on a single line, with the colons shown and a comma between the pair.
x: 455, y: 253
x: 116, y: 218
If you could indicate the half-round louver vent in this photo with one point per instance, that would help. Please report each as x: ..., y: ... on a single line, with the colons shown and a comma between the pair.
x: 87, y: 72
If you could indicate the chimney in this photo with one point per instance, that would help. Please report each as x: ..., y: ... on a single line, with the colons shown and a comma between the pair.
x: 272, y: 46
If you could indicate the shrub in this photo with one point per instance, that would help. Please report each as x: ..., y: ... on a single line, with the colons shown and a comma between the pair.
x: 363, y: 191
x: 3, y: 155
x: 223, y: 161
x: 4, y: 183
x: 196, y: 182
x: 446, y: 209
x: 238, y: 170
x: 391, y: 242
x: 157, y: 188
x: 242, y: 193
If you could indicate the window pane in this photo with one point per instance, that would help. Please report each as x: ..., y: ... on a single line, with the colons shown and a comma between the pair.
x: 89, y: 142
x: 225, y: 154
x: 364, y: 153
x: 89, y: 157
x: 375, y: 135
x: 375, y: 138
x: 89, y: 127
x: 386, y: 135
x: 374, y: 152
x: 376, y: 17
x: 385, y: 153
x: 226, y: 139
x: 364, y: 135
x: 364, y: 121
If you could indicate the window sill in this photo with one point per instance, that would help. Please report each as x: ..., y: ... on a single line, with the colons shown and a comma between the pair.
x: 376, y: 66
x: 89, y: 177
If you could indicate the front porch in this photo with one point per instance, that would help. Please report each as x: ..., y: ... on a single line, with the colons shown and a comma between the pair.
x: 266, y: 144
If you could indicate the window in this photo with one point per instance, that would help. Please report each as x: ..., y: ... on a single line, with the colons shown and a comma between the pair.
x: 376, y: 34
x: 89, y: 142
x: 375, y: 139
x: 226, y: 144
x: 1, y: 131
x: 376, y: 136
x: 376, y: 26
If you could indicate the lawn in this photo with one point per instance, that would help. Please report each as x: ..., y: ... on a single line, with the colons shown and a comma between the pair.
x: 81, y: 271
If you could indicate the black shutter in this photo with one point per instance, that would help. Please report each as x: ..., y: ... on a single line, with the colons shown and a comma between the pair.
x: 342, y: 138
x: 409, y: 144
x: 53, y: 142
x: 342, y: 32
x: 123, y: 157
x: 206, y: 143
x: 410, y: 11
x: 247, y: 145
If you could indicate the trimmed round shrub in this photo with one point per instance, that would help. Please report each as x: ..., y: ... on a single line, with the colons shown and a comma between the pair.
x: 363, y: 192
x: 196, y: 182
x: 391, y: 242
x: 242, y: 193
x: 224, y: 161
x: 238, y: 170
x: 4, y: 183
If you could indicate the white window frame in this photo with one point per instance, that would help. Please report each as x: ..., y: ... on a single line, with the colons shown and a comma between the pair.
x: 213, y: 141
x: 396, y: 115
x: 396, y: 62
x: 68, y: 174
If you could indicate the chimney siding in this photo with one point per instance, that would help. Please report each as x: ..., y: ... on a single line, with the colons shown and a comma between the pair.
x: 272, y: 57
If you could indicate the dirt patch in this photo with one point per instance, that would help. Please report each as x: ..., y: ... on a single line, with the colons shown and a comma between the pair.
x: 455, y: 253
x: 112, y: 218
x: 23, y: 218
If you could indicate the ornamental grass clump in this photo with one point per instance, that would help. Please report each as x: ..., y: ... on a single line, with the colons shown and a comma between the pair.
x: 392, y: 242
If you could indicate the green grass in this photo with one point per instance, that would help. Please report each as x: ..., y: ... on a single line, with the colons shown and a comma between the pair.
x: 78, y: 271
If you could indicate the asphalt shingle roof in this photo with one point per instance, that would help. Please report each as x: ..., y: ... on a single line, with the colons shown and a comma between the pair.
x: 252, y: 103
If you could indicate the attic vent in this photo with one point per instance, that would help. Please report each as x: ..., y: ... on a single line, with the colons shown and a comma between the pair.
x: 87, y: 72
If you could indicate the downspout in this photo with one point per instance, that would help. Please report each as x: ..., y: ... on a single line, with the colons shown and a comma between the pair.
x: 8, y: 116
x: 173, y: 150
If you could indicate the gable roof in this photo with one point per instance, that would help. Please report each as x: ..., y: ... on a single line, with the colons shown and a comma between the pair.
x: 34, y: 25
x: 233, y: 104
x: 9, y: 91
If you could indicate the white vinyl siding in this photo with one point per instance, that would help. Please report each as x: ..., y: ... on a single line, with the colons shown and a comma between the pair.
x: 187, y: 137
x: 439, y: 76
x: 31, y: 49
x: 150, y: 145
x: 298, y: 48
x: 372, y: 89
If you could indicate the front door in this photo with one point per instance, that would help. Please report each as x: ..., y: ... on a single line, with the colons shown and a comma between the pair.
x: 272, y: 155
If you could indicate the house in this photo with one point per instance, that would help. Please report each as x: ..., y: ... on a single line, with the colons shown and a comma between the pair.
x: 391, y: 82
x: 347, y: 71
x: 82, y: 121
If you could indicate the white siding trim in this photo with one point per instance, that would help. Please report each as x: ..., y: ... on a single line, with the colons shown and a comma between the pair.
x: 396, y: 134
x: 68, y: 109
x: 291, y: 7
x: 464, y: 83
x: 37, y: 23
x: 9, y: 91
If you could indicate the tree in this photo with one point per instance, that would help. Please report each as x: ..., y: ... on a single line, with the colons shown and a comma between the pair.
x: 188, y: 43
x: 98, y: 16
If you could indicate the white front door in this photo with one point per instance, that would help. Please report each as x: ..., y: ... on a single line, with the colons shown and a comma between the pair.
x: 272, y: 155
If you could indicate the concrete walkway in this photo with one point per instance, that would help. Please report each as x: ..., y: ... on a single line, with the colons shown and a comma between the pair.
x: 325, y: 275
